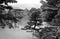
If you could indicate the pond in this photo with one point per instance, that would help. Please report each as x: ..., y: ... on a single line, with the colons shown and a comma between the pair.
x: 15, y: 34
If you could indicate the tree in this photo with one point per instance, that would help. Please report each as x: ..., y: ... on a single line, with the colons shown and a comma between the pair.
x: 33, y: 9
x: 7, y: 1
x: 4, y: 17
x: 52, y: 2
x: 50, y: 11
x: 35, y: 20
x: 50, y: 14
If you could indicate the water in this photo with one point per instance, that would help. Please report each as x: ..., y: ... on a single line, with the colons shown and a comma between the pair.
x: 15, y: 34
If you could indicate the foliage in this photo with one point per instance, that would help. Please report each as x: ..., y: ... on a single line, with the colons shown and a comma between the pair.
x: 47, y: 33
x: 7, y: 1
x: 5, y: 18
x: 52, y: 2
x: 50, y: 12
x: 33, y: 9
x: 35, y: 20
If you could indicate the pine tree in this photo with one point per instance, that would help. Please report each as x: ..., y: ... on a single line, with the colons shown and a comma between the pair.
x: 35, y: 20
x: 50, y: 11
x: 50, y: 14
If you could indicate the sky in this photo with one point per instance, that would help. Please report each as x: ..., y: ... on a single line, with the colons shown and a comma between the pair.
x: 26, y: 4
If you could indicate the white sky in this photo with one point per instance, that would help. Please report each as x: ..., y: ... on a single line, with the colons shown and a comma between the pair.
x: 27, y: 4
